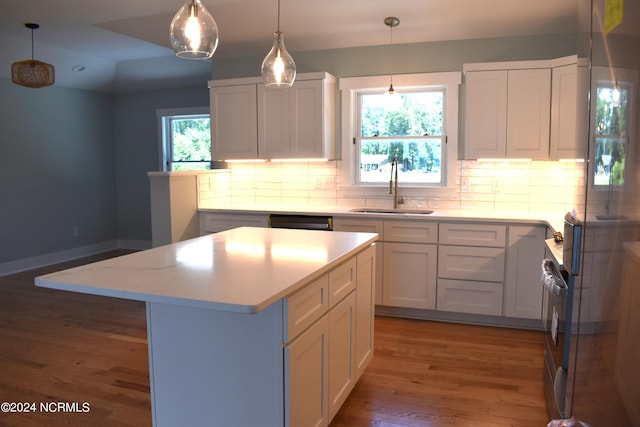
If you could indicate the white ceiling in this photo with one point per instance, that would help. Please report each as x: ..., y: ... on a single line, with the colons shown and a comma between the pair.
x: 125, y: 43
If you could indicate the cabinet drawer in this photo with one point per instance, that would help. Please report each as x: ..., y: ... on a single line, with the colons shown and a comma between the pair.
x: 411, y: 232
x: 359, y: 226
x: 492, y: 235
x: 305, y: 307
x: 470, y: 263
x: 214, y: 223
x: 470, y: 297
x: 342, y: 280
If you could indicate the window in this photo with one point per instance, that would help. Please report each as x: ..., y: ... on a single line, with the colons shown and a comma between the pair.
x: 417, y: 126
x: 185, y: 139
x: 613, y: 90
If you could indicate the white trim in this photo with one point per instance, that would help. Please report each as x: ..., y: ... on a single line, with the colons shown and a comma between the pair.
x: 24, y: 264
x: 164, y: 113
x: 350, y: 86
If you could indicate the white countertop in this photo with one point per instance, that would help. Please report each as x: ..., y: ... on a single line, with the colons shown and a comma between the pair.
x: 553, y: 220
x: 244, y: 270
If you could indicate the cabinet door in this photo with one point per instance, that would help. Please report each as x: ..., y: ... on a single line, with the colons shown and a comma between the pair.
x: 273, y: 122
x: 468, y: 296
x: 306, y: 362
x: 471, y: 263
x: 563, y: 142
x: 367, y: 226
x: 409, y: 275
x: 523, y: 292
x: 309, y: 125
x: 528, y: 113
x: 411, y: 231
x: 365, y: 288
x: 234, y: 122
x: 341, y: 352
x: 485, y: 114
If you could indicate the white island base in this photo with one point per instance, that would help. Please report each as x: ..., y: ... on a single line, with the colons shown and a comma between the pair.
x: 249, y: 327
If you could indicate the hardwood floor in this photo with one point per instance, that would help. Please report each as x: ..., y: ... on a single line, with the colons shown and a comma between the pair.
x: 73, y: 348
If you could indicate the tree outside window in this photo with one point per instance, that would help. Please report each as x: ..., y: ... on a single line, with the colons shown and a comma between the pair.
x: 407, y: 126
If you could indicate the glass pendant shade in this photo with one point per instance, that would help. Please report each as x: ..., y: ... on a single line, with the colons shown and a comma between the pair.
x: 278, y: 67
x: 31, y: 72
x: 193, y: 32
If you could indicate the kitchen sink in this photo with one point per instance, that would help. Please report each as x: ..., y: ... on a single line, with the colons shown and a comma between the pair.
x: 394, y: 211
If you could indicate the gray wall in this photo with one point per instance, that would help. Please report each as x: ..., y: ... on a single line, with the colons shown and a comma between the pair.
x: 137, y: 152
x: 76, y: 158
x: 56, y: 170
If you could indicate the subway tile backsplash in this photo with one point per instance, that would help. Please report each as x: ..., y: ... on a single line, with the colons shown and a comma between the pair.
x: 535, y: 186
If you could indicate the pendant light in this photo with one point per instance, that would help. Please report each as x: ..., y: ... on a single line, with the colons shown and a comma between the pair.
x: 31, y: 72
x: 193, y: 32
x: 278, y: 67
x: 391, y: 22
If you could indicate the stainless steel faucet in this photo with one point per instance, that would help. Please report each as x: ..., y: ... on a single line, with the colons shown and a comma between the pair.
x: 393, y: 184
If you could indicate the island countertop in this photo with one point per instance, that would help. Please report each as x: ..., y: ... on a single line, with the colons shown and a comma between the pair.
x: 244, y: 270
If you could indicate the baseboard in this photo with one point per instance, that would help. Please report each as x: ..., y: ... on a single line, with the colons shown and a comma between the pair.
x: 24, y: 264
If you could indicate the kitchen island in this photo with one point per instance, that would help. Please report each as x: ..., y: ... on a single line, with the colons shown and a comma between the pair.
x: 251, y: 326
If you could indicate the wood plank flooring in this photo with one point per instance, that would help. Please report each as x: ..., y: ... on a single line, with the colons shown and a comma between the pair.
x: 73, y: 348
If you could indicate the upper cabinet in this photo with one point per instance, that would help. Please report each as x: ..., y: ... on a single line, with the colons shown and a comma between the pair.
x: 521, y: 110
x: 251, y: 121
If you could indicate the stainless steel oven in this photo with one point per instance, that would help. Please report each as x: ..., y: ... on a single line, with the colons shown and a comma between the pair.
x: 559, y: 269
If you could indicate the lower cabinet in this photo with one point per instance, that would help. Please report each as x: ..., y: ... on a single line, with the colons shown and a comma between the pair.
x: 409, y: 275
x: 306, y: 370
x: 319, y: 367
x: 328, y: 338
x: 522, y: 289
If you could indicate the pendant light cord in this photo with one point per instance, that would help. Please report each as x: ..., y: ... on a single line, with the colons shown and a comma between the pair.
x: 278, y: 15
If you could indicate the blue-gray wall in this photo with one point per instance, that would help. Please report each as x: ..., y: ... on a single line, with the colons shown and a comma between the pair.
x: 57, y: 170
x: 77, y: 158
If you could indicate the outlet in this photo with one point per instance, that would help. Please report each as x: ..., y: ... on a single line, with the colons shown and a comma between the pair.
x: 328, y: 183
x: 496, y: 185
x: 464, y: 183
x: 75, y: 231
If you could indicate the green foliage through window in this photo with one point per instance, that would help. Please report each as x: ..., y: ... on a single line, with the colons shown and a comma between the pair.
x: 408, y: 126
x: 190, y: 147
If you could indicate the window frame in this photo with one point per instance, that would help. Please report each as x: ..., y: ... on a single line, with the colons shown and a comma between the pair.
x: 165, y: 134
x: 351, y: 87
x: 605, y: 77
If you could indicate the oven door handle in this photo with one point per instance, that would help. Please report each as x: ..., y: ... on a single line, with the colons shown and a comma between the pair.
x: 552, y: 280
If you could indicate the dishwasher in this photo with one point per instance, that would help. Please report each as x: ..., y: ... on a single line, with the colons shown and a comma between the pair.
x: 301, y: 222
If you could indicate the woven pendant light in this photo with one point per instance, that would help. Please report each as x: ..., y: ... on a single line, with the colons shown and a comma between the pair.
x: 31, y: 72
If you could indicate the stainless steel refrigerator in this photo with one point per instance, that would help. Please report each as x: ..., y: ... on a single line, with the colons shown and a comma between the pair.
x: 603, y: 385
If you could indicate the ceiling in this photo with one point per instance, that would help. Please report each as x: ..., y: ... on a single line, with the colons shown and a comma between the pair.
x: 124, y: 44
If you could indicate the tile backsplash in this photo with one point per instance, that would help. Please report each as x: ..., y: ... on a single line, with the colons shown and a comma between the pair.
x: 536, y: 186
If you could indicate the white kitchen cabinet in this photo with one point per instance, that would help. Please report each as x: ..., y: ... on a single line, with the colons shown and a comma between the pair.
x: 471, y: 263
x: 342, y: 339
x: 472, y: 234
x: 411, y: 231
x: 234, y: 121
x: 367, y: 226
x: 485, y: 116
x: 328, y: 336
x: 468, y: 296
x: 564, y: 142
x: 297, y: 122
x: 214, y: 222
x: 250, y: 121
x: 365, y: 305
x: 528, y: 113
x: 471, y: 268
x: 522, y: 289
x: 306, y: 377
x: 409, y: 275
x: 507, y: 111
